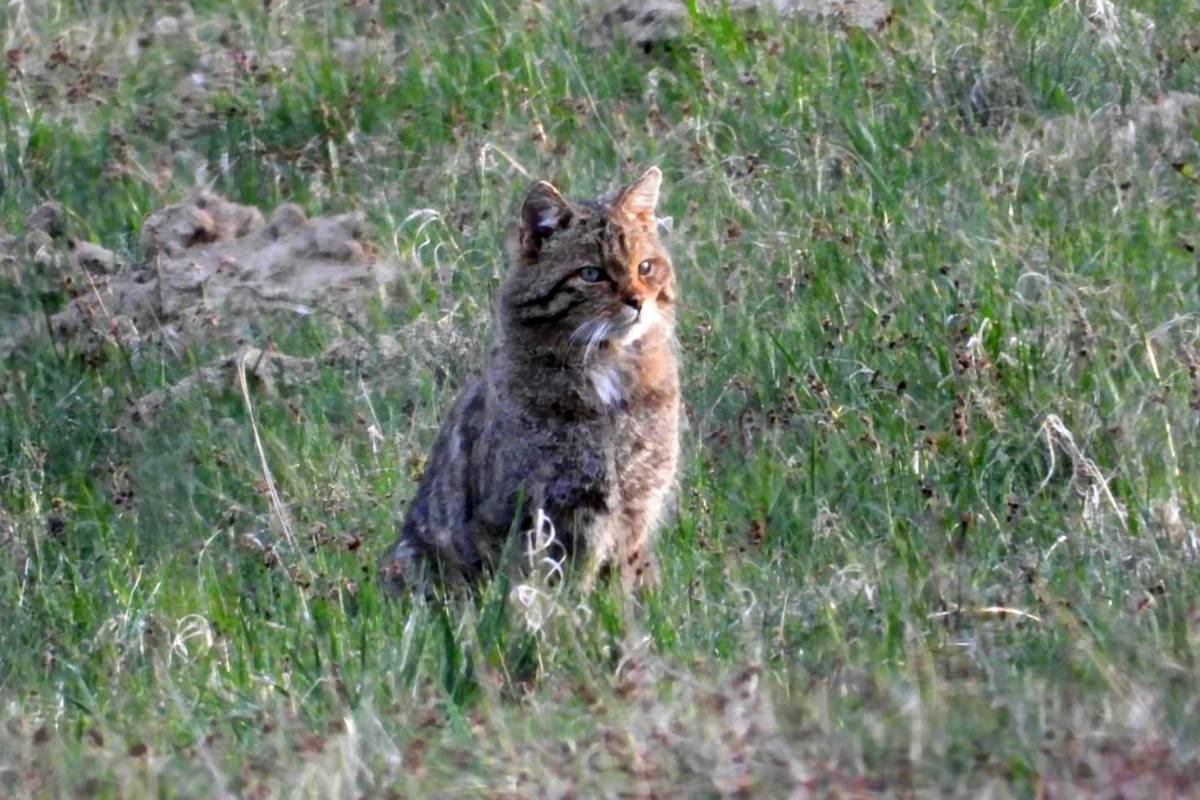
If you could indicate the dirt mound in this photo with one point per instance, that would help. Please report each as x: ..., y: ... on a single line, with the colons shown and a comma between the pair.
x: 1160, y: 125
x: 210, y: 267
x: 1137, y: 145
x: 647, y: 22
x: 423, y: 343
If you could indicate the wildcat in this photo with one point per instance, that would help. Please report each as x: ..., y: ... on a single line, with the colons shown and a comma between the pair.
x: 577, y: 412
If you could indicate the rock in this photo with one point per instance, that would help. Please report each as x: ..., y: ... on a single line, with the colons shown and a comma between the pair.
x: 166, y: 26
x: 650, y: 22
x: 18, y: 252
x: 287, y: 217
x: 95, y: 259
x: 203, y: 219
x: 337, y: 237
x: 10, y: 253
x: 49, y: 218
x: 41, y: 249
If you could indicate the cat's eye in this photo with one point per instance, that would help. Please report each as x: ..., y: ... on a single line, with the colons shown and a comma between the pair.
x: 645, y: 267
x: 591, y: 274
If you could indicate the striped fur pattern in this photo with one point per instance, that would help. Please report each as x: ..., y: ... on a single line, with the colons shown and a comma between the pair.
x: 577, y: 412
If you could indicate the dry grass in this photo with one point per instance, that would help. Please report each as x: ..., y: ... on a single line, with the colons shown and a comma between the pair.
x: 937, y: 533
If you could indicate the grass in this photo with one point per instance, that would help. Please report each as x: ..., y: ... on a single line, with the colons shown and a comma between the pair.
x: 937, y: 528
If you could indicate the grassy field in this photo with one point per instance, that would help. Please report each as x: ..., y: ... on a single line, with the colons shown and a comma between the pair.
x: 937, y: 524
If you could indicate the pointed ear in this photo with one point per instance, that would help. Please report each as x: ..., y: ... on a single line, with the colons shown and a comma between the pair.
x: 543, y: 213
x: 639, y: 198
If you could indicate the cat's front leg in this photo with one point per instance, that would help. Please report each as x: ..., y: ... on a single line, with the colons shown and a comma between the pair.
x: 638, y: 564
x: 621, y: 542
x: 600, y: 552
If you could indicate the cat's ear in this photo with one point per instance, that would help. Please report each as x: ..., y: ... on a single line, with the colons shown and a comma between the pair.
x: 544, y: 212
x: 639, y: 198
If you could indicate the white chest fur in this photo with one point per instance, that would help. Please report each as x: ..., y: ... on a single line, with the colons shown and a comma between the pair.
x: 608, y: 383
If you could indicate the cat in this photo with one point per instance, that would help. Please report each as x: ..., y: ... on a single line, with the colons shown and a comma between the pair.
x: 577, y: 413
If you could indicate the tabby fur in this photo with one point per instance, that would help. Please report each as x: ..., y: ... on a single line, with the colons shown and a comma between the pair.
x: 577, y: 412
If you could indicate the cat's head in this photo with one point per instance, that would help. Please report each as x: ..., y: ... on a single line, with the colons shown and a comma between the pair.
x: 589, y: 274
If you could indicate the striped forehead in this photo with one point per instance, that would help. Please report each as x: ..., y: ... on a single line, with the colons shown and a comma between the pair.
x: 612, y: 239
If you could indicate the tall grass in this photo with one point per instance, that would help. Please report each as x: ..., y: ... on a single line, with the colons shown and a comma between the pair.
x: 936, y: 529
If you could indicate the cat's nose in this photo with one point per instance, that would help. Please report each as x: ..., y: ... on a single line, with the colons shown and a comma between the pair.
x: 635, y: 303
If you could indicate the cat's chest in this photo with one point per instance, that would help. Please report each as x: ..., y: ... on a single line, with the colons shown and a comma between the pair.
x: 645, y: 379
x: 610, y: 385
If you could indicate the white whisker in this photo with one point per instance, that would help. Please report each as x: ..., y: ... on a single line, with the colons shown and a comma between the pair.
x: 598, y: 335
x: 582, y: 332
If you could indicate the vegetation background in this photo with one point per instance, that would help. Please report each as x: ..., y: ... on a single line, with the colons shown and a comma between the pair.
x: 937, y: 529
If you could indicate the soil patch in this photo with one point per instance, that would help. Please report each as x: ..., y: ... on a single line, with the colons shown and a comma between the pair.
x: 210, y: 268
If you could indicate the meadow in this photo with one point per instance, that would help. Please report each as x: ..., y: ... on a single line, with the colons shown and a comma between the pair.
x: 937, y: 525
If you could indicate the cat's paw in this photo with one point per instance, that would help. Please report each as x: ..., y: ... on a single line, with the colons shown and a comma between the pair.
x: 399, y: 571
x: 640, y: 573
